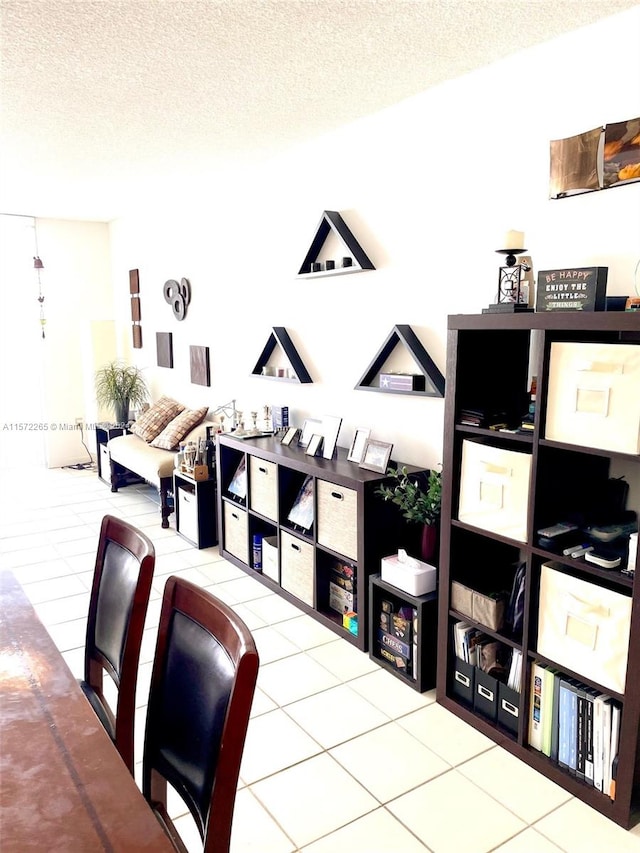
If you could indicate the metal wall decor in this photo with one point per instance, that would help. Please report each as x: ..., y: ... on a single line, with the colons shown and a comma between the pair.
x: 178, y: 295
x: 134, y: 291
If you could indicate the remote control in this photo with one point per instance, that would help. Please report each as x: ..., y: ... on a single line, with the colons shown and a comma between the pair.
x: 557, y: 529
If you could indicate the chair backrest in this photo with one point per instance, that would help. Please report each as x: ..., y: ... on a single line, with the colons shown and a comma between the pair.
x: 204, y: 676
x: 117, y: 609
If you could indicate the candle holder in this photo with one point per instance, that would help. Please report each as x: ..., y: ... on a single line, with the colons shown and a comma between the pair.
x: 511, y: 297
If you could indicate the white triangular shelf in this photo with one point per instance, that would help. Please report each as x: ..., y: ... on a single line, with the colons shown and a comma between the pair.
x: 280, y: 336
x: 434, y: 380
x: 332, y: 222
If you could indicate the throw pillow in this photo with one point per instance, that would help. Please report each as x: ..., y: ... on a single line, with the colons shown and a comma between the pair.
x: 154, y: 420
x: 176, y: 430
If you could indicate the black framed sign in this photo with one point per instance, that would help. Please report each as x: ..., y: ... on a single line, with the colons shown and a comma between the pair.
x: 572, y: 289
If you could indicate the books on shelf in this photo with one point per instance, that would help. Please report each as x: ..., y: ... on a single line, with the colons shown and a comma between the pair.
x: 576, y: 726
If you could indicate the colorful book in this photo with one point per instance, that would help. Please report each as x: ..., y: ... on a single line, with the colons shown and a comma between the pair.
x: 555, y: 716
x: 547, y: 709
x: 615, y: 738
x: 536, y: 704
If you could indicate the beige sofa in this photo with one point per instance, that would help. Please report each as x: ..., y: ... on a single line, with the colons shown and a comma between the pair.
x: 130, y: 454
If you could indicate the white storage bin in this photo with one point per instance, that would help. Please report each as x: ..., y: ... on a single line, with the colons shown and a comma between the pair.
x: 263, y: 490
x: 296, y: 567
x: 338, y: 518
x: 270, y: 557
x: 188, y: 513
x: 236, y: 532
x: 494, y: 489
x: 594, y: 396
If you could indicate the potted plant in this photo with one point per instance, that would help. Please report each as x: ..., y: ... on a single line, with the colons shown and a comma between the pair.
x: 418, y: 504
x: 120, y: 386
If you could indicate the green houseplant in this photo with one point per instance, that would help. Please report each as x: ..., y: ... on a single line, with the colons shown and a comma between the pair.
x: 119, y: 387
x: 419, y: 504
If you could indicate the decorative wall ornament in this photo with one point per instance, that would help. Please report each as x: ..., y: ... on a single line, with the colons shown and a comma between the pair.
x: 199, y: 359
x: 597, y: 159
x: 38, y: 265
x: 164, y: 349
x: 134, y: 290
x: 178, y: 295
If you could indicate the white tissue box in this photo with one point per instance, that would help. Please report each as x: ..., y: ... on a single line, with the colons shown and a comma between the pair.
x: 416, y: 578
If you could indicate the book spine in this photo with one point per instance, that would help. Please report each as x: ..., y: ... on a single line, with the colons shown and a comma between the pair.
x: 580, y: 733
x: 555, y: 717
x: 564, y: 725
x: 573, y: 728
x: 588, y: 761
x: 547, y: 709
x: 535, y: 719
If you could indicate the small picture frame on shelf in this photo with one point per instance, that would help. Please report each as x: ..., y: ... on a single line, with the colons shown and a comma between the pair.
x: 376, y: 456
x: 330, y: 431
x: 314, y: 446
x: 289, y: 436
x: 356, y: 451
x: 311, y: 426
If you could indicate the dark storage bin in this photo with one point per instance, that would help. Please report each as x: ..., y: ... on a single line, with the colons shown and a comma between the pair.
x: 485, y: 695
x: 508, y: 708
x: 463, y: 681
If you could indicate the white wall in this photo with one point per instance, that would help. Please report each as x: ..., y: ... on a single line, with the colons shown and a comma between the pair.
x: 428, y: 187
x: 78, y: 295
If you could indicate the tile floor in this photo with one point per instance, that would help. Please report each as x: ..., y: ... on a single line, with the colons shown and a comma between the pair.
x: 339, y: 755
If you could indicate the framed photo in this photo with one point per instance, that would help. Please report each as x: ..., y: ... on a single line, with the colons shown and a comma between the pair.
x: 315, y: 443
x: 356, y: 451
x: 238, y: 484
x: 376, y: 456
x: 311, y: 426
x: 330, y: 429
x: 289, y: 435
x: 301, y: 513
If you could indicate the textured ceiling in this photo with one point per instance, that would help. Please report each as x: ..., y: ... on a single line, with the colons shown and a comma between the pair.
x: 101, y: 97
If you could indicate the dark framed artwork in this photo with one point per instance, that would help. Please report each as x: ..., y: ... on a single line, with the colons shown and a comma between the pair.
x: 135, y: 309
x: 134, y: 281
x: 137, y: 336
x: 164, y: 349
x: 199, y: 360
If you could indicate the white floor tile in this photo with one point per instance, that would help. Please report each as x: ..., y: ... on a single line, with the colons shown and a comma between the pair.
x: 376, y: 760
x: 274, y: 742
x: 254, y: 830
x: 520, y: 788
x: 376, y: 832
x: 452, y: 815
x: 528, y: 841
x: 305, y: 632
x: 389, y: 694
x: 576, y: 828
x: 336, y: 715
x: 294, y: 678
x: 313, y: 798
x: 342, y: 659
x: 445, y: 734
x: 271, y: 645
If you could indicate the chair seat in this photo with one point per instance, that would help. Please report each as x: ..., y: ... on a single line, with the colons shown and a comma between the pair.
x: 105, y: 716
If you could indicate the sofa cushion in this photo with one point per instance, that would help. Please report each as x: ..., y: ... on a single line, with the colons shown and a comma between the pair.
x: 154, y: 420
x: 176, y: 429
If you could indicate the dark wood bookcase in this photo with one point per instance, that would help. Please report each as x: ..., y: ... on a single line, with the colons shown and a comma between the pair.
x: 490, y: 362
x: 351, y: 526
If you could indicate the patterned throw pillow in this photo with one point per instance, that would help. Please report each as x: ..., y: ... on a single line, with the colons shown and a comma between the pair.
x: 154, y: 420
x: 176, y: 430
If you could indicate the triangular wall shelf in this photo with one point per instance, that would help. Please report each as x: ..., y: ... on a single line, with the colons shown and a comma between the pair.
x: 280, y: 336
x: 332, y: 221
x: 434, y: 380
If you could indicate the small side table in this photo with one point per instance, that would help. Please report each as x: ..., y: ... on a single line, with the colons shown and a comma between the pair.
x: 195, y: 506
x: 420, y: 671
x: 105, y: 432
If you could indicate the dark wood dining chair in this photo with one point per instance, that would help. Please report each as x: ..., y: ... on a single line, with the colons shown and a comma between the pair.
x: 204, y: 676
x: 125, y: 561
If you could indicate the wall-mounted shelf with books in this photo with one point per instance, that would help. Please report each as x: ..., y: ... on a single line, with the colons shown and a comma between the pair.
x: 503, y: 495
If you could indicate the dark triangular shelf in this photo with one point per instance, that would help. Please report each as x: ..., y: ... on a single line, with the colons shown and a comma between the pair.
x: 332, y: 221
x: 279, y: 335
x: 434, y: 380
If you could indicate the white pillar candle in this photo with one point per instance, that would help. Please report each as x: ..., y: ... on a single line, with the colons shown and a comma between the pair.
x: 514, y: 240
